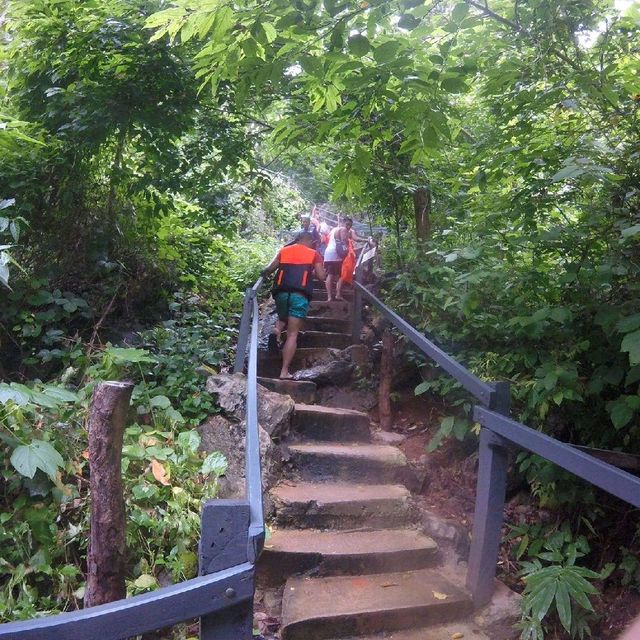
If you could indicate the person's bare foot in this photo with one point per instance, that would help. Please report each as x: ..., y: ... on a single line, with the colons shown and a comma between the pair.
x: 286, y: 376
x: 340, y: 299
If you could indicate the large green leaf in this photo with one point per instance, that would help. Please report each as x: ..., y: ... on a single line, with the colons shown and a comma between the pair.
x: 563, y: 605
x: 359, y: 45
x: 386, y: 52
x: 631, y: 344
x: 460, y: 12
x: 27, y: 459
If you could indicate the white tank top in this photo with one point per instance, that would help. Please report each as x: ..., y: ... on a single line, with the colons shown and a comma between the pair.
x: 330, y: 254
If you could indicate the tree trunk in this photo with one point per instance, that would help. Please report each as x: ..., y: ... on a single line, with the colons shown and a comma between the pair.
x: 115, y: 168
x: 386, y: 375
x: 422, y: 210
x: 106, y: 554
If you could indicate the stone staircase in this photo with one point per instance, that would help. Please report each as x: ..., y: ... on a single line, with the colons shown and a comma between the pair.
x: 344, y: 539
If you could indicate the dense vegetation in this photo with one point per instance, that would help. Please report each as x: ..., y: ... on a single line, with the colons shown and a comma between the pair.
x: 150, y: 148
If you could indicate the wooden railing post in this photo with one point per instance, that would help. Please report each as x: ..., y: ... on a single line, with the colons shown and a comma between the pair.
x: 107, y: 551
x: 223, y: 544
x: 490, y: 496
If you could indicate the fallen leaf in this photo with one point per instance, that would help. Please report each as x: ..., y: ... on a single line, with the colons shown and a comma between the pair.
x: 457, y: 636
x: 389, y: 584
x: 439, y: 596
x: 160, y: 473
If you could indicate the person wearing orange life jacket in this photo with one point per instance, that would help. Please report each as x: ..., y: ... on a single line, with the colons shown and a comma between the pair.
x: 295, y: 267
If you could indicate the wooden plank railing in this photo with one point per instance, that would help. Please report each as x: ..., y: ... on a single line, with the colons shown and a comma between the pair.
x: 231, y: 540
x: 498, y: 434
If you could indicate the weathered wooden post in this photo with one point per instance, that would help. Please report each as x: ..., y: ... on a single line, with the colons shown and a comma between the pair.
x: 386, y: 376
x: 224, y: 544
x: 107, y: 547
x: 488, y: 516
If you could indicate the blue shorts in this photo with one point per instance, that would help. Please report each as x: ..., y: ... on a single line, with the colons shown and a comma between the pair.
x: 291, y: 304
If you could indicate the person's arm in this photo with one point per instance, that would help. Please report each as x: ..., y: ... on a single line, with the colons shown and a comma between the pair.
x: 355, y: 237
x: 272, y: 266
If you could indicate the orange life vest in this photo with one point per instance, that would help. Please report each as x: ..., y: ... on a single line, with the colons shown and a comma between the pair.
x: 295, y: 272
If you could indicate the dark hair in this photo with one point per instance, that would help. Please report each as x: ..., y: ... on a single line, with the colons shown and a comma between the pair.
x: 347, y: 220
x: 305, y: 237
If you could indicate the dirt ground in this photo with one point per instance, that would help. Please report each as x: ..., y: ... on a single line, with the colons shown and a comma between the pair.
x: 449, y: 491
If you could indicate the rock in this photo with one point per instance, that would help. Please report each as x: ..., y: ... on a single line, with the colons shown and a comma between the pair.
x: 331, y: 372
x: 274, y: 409
x: 388, y: 437
x: 219, y: 433
x: 447, y: 530
x: 231, y: 392
x: 335, y: 367
x: 498, y: 617
x: 275, y: 412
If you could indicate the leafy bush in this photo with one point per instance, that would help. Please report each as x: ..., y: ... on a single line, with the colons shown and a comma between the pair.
x: 557, y: 590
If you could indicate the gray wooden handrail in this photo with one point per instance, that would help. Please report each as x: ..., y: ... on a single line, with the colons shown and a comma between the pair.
x: 498, y: 434
x: 484, y: 391
x: 139, y: 614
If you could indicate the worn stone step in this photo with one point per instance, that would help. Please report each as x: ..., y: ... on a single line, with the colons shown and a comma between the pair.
x: 324, y: 339
x: 269, y: 364
x: 315, y: 422
x: 300, y: 391
x: 341, y: 505
x: 290, y: 551
x: 333, y: 309
x: 322, y: 608
x: 463, y: 630
x: 351, y: 462
x: 321, y: 323
x: 321, y: 294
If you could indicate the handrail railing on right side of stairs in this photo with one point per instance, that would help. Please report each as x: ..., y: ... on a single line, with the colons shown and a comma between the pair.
x: 498, y: 434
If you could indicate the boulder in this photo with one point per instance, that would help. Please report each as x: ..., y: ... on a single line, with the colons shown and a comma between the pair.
x: 274, y: 409
x: 219, y: 433
x: 330, y: 372
x: 335, y: 367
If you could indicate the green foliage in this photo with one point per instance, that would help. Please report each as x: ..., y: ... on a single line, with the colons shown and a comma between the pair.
x: 44, y: 507
x: 556, y: 588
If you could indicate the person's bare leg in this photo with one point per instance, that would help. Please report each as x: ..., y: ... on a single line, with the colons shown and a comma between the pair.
x: 327, y: 283
x: 288, y: 351
x: 281, y: 325
x: 339, y: 289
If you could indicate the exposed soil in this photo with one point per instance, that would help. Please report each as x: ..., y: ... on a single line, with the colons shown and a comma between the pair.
x: 449, y: 491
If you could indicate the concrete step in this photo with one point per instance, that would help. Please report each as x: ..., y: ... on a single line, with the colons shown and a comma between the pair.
x: 300, y: 391
x: 315, y: 422
x: 463, y: 630
x: 291, y: 551
x: 341, y: 505
x: 321, y: 294
x: 324, y: 339
x: 333, y: 309
x: 351, y: 462
x: 322, y: 608
x: 269, y: 364
x: 321, y: 323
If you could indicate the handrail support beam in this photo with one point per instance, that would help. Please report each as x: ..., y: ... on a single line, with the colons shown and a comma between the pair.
x: 488, y: 516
